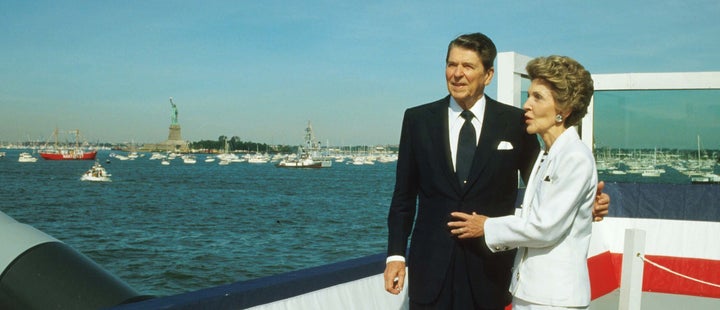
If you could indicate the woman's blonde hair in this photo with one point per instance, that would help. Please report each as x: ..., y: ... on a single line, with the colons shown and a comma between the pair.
x: 571, y: 84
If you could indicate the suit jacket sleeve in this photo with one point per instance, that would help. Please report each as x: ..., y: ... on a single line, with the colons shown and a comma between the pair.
x: 403, y: 204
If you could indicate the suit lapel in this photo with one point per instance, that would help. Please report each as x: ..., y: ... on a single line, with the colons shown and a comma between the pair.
x: 438, y: 124
x: 493, y: 125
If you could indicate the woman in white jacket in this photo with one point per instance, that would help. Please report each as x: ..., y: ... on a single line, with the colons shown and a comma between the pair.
x: 552, y: 230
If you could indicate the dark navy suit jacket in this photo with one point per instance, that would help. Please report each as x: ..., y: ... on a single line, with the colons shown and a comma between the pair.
x: 425, y: 177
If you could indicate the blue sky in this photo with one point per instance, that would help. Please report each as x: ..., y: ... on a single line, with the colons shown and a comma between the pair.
x: 261, y: 70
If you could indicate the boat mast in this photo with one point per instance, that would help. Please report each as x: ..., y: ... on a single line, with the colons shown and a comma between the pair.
x: 77, y: 138
x: 55, y: 135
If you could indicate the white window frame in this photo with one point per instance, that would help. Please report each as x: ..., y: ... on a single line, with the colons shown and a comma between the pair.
x: 510, y: 72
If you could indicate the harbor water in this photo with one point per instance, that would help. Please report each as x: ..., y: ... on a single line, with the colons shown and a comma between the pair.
x: 171, y: 229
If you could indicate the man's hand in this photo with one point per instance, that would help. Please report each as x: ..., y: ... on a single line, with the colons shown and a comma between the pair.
x: 394, y: 277
x: 602, y: 203
x: 467, y: 225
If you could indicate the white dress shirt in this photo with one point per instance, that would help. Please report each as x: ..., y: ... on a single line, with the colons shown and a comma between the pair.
x: 455, y: 122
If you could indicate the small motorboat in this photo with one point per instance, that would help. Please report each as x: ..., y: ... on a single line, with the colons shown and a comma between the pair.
x: 96, y: 174
x: 25, y: 157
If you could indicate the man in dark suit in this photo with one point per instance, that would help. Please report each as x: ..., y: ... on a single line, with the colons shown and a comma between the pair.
x: 446, y: 272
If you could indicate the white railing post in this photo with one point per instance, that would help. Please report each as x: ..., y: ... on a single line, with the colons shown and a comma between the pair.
x: 509, y: 75
x: 632, y: 270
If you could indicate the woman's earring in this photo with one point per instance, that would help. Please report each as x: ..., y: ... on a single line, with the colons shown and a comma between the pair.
x: 558, y: 118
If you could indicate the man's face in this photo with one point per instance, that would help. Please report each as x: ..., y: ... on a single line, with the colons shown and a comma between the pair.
x: 466, y: 76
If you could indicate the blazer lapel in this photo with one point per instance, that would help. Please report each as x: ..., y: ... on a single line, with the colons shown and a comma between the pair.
x: 531, y: 187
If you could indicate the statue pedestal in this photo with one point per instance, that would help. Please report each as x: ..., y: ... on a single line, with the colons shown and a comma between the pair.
x: 175, y: 141
x: 174, y: 134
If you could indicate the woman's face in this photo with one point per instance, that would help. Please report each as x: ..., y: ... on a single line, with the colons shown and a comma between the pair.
x: 540, y: 108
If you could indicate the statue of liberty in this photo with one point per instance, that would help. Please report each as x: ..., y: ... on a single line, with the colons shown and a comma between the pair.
x: 174, y: 113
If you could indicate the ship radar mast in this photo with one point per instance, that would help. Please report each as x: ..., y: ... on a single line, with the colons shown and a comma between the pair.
x: 310, y: 142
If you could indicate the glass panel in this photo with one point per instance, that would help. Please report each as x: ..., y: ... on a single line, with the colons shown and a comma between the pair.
x: 524, y: 86
x: 657, y: 136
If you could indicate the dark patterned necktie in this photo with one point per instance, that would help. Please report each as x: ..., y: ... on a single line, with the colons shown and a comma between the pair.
x: 465, y: 148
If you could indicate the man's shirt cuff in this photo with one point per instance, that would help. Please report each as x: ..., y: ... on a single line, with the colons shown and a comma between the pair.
x: 395, y: 258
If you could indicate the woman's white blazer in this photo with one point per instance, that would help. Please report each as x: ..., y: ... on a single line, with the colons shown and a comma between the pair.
x: 552, y: 229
